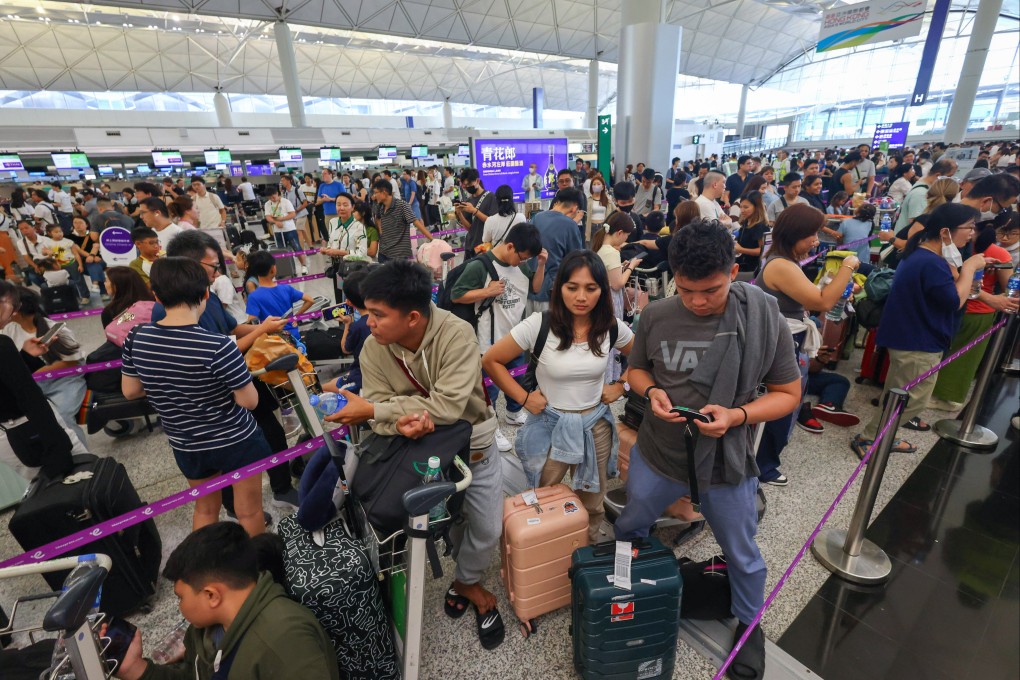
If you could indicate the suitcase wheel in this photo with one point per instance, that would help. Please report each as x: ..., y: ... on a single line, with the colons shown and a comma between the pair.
x: 119, y: 428
x: 528, y: 627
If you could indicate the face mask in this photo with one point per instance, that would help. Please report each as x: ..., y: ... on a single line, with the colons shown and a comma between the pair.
x: 596, y: 189
x: 625, y: 208
x: 987, y: 215
x: 952, y: 254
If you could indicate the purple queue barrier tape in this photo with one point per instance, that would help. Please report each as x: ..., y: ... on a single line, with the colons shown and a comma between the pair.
x: 440, y: 233
x: 295, y: 279
x: 953, y: 357
x: 803, y: 550
x: 808, y: 260
x: 73, y: 315
x: 171, y: 502
x: 296, y: 252
x: 77, y: 370
x: 520, y: 370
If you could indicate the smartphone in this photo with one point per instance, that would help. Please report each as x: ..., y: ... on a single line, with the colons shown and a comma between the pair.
x: 120, y: 634
x: 691, y: 414
x: 52, y: 332
x: 640, y: 256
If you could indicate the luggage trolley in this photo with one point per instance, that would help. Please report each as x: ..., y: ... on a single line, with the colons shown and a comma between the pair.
x: 69, y: 616
x: 389, y: 555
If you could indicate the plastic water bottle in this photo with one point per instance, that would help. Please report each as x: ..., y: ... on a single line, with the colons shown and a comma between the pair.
x: 975, y: 286
x: 171, y: 648
x: 327, y: 403
x: 434, y: 474
x: 886, y: 222
x: 1013, y: 289
x: 836, y: 313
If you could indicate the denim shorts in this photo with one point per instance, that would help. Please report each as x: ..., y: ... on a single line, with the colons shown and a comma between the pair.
x: 205, y: 464
x: 288, y: 238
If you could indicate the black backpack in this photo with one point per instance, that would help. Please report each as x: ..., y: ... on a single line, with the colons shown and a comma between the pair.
x: 464, y: 310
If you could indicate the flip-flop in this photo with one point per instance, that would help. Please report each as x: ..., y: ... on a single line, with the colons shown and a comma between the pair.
x: 915, y: 424
x: 455, y: 604
x: 490, y: 628
x: 860, y: 446
x: 749, y: 664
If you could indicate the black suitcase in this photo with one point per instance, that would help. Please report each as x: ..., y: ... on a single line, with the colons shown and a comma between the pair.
x: 108, y: 380
x: 97, y: 489
x: 60, y: 299
x: 322, y: 345
x: 620, y: 633
x: 285, y: 266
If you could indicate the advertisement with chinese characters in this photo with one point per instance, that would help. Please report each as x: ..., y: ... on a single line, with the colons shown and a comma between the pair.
x: 506, y: 161
x: 870, y: 22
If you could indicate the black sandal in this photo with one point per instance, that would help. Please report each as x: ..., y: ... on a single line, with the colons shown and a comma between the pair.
x: 490, y: 628
x: 749, y: 664
x: 455, y: 604
x: 915, y: 424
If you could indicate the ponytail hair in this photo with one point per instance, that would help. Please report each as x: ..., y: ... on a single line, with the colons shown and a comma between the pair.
x: 617, y: 222
x: 949, y: 216
x: 505, y: 201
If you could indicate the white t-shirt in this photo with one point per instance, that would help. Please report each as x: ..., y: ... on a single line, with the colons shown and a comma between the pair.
x: 570, y: 380
x: 497, y: 227
x: 507, y: 309
x: 208, y: 207
x: 19, y: 335
x: 247, y: 191
x: 279, y: 209
x: 776, y: 207
x: 448, y: 184
x: 45, y: 213
x: 231, y: 298
x: 710, y: 210
x: 32, y: 250
x: 167, y: 233
x: 610, y: 257
x: 62, y: 200
x: 57, y: 278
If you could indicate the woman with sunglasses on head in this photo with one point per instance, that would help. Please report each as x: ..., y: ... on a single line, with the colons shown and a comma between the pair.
x: 570, y: 402
x: 920, y: 315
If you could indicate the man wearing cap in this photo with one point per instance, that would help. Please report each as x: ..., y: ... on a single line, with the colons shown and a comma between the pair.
x: 648, y: 196
x: 970, y: 179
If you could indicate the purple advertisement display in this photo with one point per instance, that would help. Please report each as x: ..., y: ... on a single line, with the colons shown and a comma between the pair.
x: 506, y: 161
x: 894, y: 134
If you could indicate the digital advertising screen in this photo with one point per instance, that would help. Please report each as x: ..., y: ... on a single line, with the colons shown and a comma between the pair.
x: 66, y: 161
x: 105, y: 170
x: 291, y: 155
x: 506, y: 161
x: 217, y: 157
x: 464, y: 150
x: 164, y: 158
x: 142, y: 169
x: 419, y: 151
x: 329, y: 153
x: 11, y: 161
x: 387, y: 152
x: 893, y: 134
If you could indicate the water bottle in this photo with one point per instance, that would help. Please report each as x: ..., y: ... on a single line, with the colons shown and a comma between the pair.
x: 836, y: 313
x: 85, y: 564
x: 327, y: 403
x: 886, y: 223
x: 1013, y: 289
x: 975, y: 286
x: 434, y: 474
x: 171, y: 648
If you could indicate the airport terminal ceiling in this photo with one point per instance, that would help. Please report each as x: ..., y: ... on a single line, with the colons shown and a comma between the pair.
x: 488, y: 52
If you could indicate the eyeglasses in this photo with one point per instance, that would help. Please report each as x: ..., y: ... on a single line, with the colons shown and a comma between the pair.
x: 215, y: 267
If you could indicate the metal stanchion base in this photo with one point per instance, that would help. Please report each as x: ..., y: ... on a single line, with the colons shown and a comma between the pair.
x: 871, y: 567
x: 1012, y: 368
x: 978, y: 438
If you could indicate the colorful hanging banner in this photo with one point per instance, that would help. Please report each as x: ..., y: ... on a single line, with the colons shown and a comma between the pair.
x: 869, y: 22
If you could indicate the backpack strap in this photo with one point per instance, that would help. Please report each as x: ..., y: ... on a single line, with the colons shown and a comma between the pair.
x: 692, y: 473
x: 614, y: 335
x: 487, y: 304
x: 543, y: 336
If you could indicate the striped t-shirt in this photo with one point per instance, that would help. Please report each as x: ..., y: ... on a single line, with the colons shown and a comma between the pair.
x: 189, y: 376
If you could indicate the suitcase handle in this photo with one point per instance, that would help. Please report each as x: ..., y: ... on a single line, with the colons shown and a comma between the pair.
x: 609, y: 547
x: 540, y: 493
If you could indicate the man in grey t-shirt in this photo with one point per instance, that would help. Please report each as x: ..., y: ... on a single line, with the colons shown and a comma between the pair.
x: 707, y: 349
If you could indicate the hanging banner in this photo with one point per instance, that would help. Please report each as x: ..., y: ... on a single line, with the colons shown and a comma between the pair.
x: 869, y: 22
x: 930, y: 53
x: 605, y: 145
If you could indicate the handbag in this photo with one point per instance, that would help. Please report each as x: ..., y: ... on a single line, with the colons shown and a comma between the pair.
x: 707, y: 594
x: 135, y: 315
x: 50, y: 450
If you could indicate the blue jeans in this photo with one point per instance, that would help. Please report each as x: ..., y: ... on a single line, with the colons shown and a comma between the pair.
x: 78, y: 280
x: 493, y: 391
x: 776, y: 433
x: 829, y: 387
x: 287, y: 238
x: 97, y: 274
x: 731, y: 511
x: 67, y: 395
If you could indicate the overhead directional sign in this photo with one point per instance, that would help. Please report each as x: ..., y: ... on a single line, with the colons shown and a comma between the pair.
x: 605, y: 146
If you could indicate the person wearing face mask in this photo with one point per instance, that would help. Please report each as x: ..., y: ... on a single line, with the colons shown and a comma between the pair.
x: 993, y: 195
x: 600, y: 207
x: 914, y: 202
x: 920, y: 315
x: 560, y: 235
x: 532, y: 185
x: 623, y: 195
x: 474, y: 209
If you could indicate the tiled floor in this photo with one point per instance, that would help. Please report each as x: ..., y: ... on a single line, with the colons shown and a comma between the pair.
x: 952, y: 606
x: 818, y: 466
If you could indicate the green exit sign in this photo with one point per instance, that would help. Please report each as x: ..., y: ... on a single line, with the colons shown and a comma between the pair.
x: 696, y: 139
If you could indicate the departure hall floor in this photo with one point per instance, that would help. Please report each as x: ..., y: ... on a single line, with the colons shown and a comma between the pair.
x: 950, y: 610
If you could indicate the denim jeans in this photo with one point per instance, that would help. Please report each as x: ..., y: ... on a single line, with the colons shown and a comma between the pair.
x: 493, y: 391
x: 829, y: 387
x: 97, y: 274
x: 67, y: 394
x: 77, y: 279
x: 287, y: 238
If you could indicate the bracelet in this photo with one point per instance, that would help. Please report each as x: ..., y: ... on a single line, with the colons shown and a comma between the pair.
x: 849, y: 267
x: 742, y: 410
x: 653, y: 387
x: 527, y: 396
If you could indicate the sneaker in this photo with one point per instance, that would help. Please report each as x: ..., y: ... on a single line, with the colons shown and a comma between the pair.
x: 304, y: 271
x: 1015, y: 422
x: 104, y: 297
x: 502, y: 443
x: 84, y: 301
x: 518, y: 418
x: 837, y: 416
x: 285, y: 500
x: 944, y: 405
x: 809, y: 423
x: 267, y: 518
x: 781, y: 480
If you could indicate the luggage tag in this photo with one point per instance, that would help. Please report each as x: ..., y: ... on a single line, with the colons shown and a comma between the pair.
x: 621, y: 565
x: 531, y: 499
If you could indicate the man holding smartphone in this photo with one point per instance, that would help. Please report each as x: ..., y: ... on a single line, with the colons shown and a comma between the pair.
x: 707, y: 349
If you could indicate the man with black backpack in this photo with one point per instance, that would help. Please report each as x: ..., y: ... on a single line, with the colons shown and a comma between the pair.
x: 491, y: 293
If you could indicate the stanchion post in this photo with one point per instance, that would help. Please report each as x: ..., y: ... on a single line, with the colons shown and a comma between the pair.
x: 966, y: 431
x: 847, y: 553
x: 1010, y: 361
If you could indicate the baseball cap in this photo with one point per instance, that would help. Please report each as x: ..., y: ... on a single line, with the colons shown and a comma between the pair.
x: 976, y: 174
